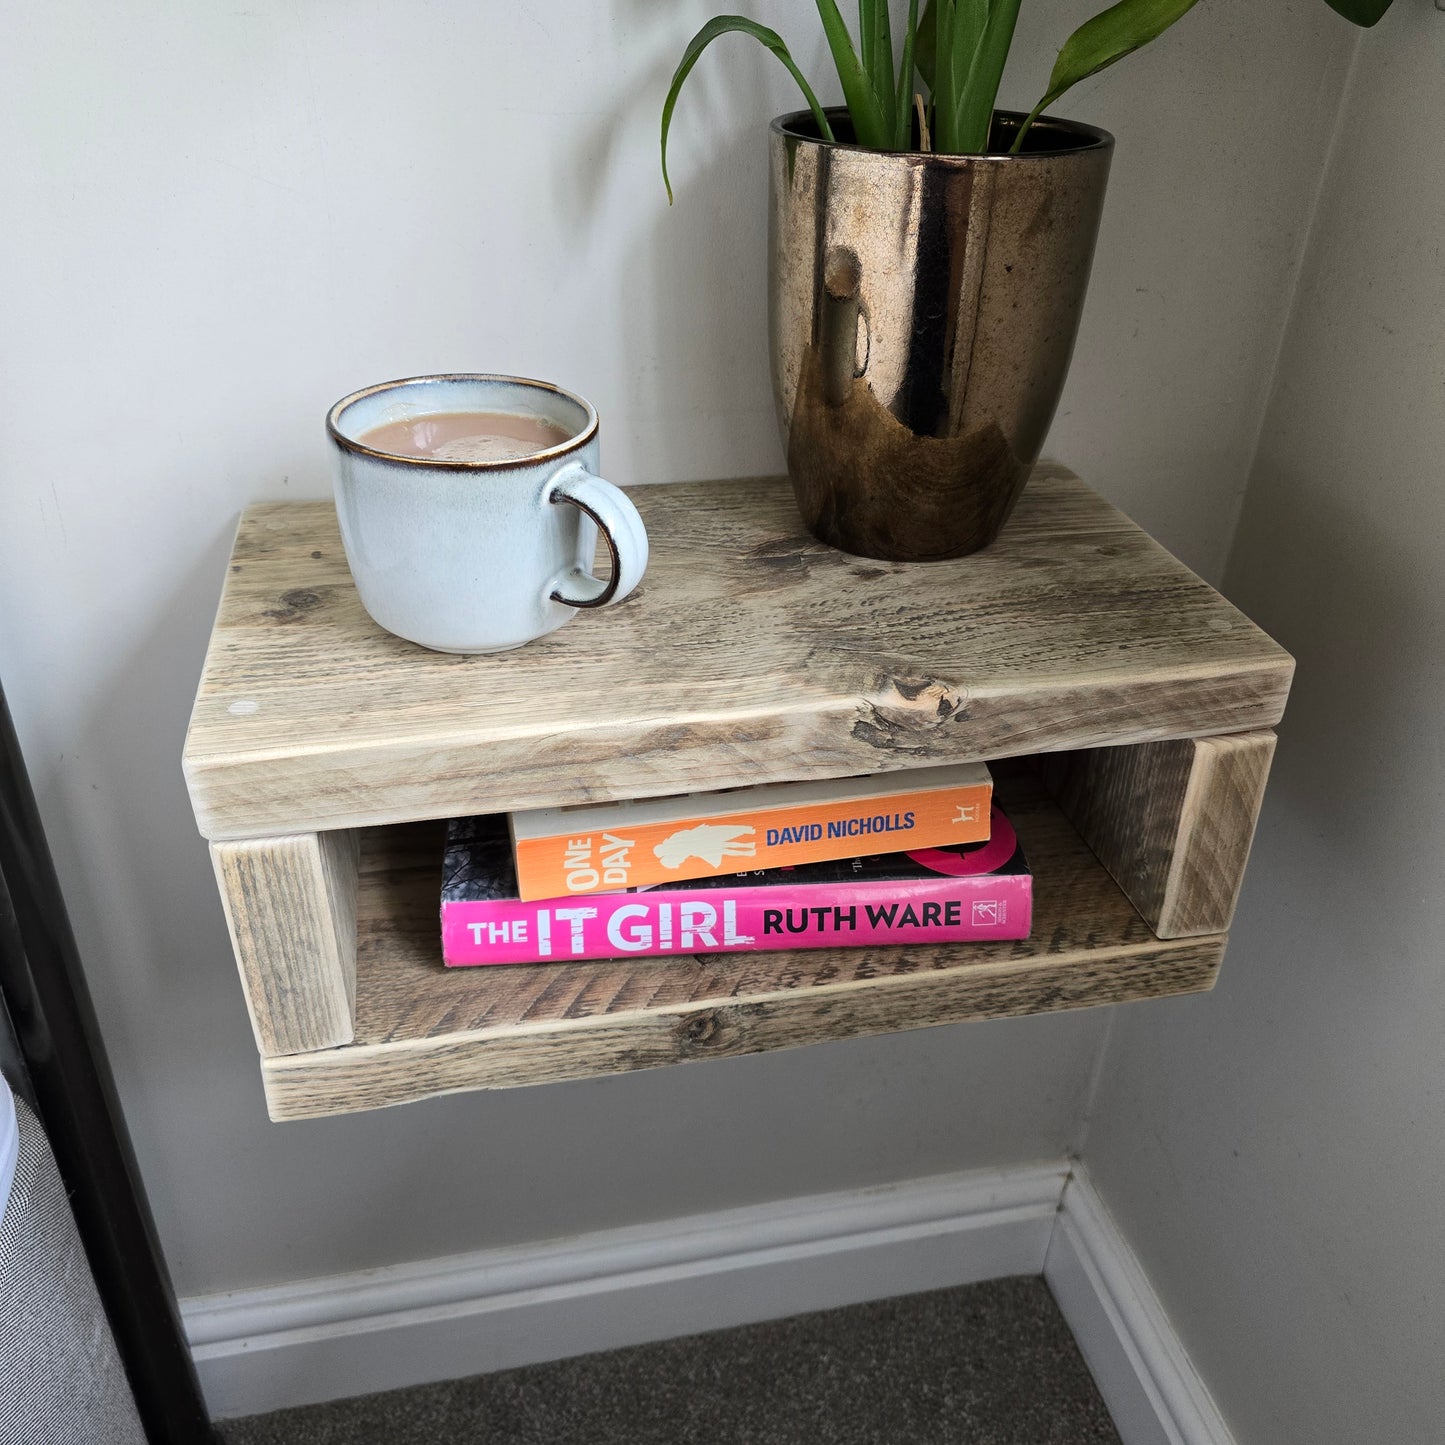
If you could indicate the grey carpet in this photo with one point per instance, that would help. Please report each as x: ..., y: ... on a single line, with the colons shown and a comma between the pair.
x: 988, y: 1364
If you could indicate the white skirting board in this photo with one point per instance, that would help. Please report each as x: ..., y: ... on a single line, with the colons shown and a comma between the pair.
x: 313, y: 1340
x: 1137, y: 1360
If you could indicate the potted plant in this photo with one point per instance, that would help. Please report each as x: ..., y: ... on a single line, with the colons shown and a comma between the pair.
x: 928, y: 261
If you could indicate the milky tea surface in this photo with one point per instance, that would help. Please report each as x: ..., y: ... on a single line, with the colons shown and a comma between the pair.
x: 466, y: 436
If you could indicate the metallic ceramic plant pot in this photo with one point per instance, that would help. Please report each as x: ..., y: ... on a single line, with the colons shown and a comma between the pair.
x: 923, y: 310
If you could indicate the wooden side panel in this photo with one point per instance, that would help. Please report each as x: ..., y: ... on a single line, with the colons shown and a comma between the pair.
x: 1221, y: 808
x: 290, y: 905
x: 1172, y: 821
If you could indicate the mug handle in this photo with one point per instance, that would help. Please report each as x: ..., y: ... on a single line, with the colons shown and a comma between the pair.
x: 621, y: 529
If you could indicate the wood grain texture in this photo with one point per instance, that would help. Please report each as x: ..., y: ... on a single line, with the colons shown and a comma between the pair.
x: 1172, y: 821
x: 290, y: 905
x: 752, y: 653
x: 422, y: 1029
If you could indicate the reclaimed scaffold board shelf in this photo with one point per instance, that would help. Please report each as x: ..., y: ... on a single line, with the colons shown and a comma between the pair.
x: 322, y: 751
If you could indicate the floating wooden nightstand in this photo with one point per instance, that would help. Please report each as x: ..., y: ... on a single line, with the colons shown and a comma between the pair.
x: 321, y: 747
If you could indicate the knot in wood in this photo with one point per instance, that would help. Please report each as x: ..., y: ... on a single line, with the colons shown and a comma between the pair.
x: 928, y: 695
x: 904, y: 712
x: 296, y: 603
x: 701, y: 1028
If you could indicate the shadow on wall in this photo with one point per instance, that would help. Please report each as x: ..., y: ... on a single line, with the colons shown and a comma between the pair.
x: 595, y: 162
x: 153, y: 942
x: 1331, y: 585
x: 692, y: 288
x: 139, y: 888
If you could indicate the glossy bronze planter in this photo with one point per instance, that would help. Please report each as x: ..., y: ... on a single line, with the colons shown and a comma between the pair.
x: 923, y: 310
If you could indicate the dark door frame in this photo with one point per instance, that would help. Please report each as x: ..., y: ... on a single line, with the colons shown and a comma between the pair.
x: 67, y: 1080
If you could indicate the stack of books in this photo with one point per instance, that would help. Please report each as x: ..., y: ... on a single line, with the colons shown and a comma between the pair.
x: 773, y: 867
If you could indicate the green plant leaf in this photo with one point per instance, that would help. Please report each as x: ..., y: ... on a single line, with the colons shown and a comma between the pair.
x: 903, y: 96
x: 964, y: 92
x: 875, y: 35
x: 940, y: 88
x: 1003, y: 17
x: 722, y: 25
x: 960, y: 38
x: 925, y: 46
x: 979, y: 92
x: 1109, y: 36
x: 1362, y: 12
x: 867, y: 115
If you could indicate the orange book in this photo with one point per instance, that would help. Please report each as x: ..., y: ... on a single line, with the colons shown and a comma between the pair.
x: 603, y: 847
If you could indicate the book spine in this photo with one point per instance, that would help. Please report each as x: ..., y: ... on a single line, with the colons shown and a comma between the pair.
x: 702, y: 846
x: 720, y: 920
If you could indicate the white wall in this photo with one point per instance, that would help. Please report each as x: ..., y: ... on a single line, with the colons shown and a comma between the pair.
x: 1274, y: 1152
x: 219, y: 219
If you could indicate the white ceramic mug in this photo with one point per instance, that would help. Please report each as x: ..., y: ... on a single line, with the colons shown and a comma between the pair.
x: 479, y: 556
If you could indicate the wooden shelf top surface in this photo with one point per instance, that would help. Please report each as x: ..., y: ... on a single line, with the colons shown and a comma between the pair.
x: 423, y: 1029
x: 751, y: 653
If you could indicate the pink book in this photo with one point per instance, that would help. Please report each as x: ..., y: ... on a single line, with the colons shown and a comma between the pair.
x: 931, y: 895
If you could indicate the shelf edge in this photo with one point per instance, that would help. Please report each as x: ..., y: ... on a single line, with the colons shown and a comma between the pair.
x: 369, y: 1076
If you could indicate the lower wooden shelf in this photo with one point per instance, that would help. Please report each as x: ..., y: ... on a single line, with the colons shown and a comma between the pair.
x: 423, y: 1030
